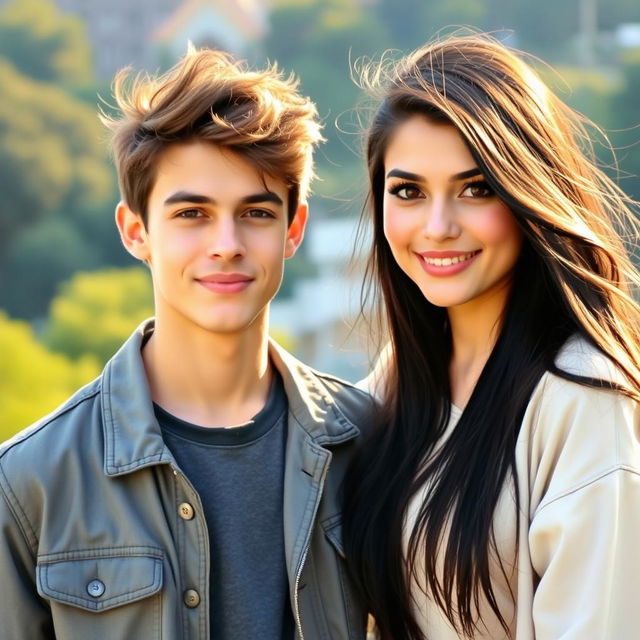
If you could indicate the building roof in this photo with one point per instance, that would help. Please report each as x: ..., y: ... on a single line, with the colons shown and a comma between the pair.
x: 247, y: 17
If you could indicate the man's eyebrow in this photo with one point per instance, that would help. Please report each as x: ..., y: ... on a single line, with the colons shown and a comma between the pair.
x: 416, y: 177
x: 265, y: 196
x: 187, y: 196
x: 198, y: 198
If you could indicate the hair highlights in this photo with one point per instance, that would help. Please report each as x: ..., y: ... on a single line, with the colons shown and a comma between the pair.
x: 574, y: 276
x: 209, y: 96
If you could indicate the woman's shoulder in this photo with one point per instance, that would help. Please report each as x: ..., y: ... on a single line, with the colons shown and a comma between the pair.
x: 593, y: 421
x: 580, y: 357
x: 584, y: 381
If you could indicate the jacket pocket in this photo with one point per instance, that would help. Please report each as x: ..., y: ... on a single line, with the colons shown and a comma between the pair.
x: 100, y: 579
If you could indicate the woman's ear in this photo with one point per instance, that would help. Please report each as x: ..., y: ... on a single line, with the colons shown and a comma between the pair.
x: 295, y: 232
x: 133, y: 232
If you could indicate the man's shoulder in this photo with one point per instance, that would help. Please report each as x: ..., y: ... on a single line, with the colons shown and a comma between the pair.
x: 34, y: 446
x: 353, y: 401
x: 317, y: 389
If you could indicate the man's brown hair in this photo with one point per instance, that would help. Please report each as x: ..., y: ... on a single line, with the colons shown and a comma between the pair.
x: 210, y: 96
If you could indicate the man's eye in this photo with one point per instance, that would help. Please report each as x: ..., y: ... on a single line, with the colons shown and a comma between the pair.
x: 189, y: 213
x: 406, y: 191
x: 259, y: 213
x: 478, y: 189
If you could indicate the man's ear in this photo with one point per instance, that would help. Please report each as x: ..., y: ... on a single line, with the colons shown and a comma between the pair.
x: 295, y: 233
x: 132, y: 232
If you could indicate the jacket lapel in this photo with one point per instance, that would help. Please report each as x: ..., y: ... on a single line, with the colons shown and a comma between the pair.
x: 315, y: 424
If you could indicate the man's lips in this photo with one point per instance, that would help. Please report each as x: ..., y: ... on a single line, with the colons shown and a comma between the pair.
x: 225, y: 282
x: 225, y: 277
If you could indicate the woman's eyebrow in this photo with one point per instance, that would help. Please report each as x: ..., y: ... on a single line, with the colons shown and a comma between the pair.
x: 406, y: 175
x: 416, y: 177
x: 465, y: 174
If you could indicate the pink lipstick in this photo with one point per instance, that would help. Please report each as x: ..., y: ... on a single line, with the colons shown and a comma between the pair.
x: 446, y: 263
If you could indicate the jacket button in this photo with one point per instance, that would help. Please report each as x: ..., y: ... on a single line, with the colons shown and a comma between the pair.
x: 191, y: 598
x: 95, y: 588
x: 186, y: 511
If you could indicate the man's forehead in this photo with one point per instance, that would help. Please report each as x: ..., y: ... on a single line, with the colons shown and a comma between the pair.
x: 208, y: 171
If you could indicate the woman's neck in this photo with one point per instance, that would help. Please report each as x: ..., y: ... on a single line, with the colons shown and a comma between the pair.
x: 475, y: 327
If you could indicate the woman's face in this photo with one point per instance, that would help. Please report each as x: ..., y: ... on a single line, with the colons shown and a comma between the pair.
x: 446, y: 228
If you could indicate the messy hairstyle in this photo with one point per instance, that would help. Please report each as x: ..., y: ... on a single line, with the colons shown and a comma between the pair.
x: 208, y: 96
x: 573, y: 276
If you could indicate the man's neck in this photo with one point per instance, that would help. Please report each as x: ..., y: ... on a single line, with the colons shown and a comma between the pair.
x: 208, y: 379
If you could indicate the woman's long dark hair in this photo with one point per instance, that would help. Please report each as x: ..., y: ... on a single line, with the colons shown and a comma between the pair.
x: 572, y: 277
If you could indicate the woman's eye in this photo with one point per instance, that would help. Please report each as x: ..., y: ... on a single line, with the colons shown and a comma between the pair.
x: 480, y: 189
x: 406, y: 192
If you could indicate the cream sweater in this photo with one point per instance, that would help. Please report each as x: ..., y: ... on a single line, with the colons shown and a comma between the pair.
x: 576, y: 572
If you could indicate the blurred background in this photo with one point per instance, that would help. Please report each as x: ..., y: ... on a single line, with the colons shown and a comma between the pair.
x: 69, y: 294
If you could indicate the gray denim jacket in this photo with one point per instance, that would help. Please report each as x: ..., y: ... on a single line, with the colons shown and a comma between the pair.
x: 97, y: 539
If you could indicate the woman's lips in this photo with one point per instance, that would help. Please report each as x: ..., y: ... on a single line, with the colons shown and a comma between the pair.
x: 446, y: 263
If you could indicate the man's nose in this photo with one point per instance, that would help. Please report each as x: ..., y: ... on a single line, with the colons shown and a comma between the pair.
x: 226, y: 242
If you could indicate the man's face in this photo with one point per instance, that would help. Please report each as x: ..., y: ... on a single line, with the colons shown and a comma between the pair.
x: 216, y: 238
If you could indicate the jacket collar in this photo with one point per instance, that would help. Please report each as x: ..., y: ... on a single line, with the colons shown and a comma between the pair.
x: 133, y: 438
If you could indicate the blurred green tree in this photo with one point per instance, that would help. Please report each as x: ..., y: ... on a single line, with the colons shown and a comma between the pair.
x: 544, y: 27
x: 318, y: 39
x: 33, y: 380
x: 44, y: 43
x: 611, y: 13
x: 45, y: 255
x: 51, y: 155
x: 626, y: 137
x: 95, y: 312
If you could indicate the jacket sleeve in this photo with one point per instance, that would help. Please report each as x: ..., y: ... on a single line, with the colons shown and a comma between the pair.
x: 583, y: 536
x: 24, y: 614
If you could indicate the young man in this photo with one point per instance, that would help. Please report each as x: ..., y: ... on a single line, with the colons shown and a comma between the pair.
x: 192, y: 491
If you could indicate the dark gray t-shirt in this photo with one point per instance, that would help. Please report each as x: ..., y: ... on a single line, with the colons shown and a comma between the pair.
x: 239, y: 475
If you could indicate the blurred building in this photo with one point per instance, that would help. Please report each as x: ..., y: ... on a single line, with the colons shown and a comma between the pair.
x: 152, y: 34
x: 321, y: 318
x: 628, y: 35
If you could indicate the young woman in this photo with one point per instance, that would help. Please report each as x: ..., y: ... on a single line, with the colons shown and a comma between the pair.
x: 499, y: 496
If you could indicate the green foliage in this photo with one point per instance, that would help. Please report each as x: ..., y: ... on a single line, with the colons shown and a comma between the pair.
x: 542, y: 27
x: 412, y: 23
x: 33, y: 381
x: 626, y: 106
x: 613, y: 12
x: 318, y: 39
x: 51, y: 153
x: 588, y: 90
x: 43, y: 43
x: 46, y: 254
x: 96, y: 312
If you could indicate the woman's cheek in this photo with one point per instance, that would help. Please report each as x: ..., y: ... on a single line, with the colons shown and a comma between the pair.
x: 398, y: 228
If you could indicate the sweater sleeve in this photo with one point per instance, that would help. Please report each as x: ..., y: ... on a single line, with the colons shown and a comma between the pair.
x: 585, y: 528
